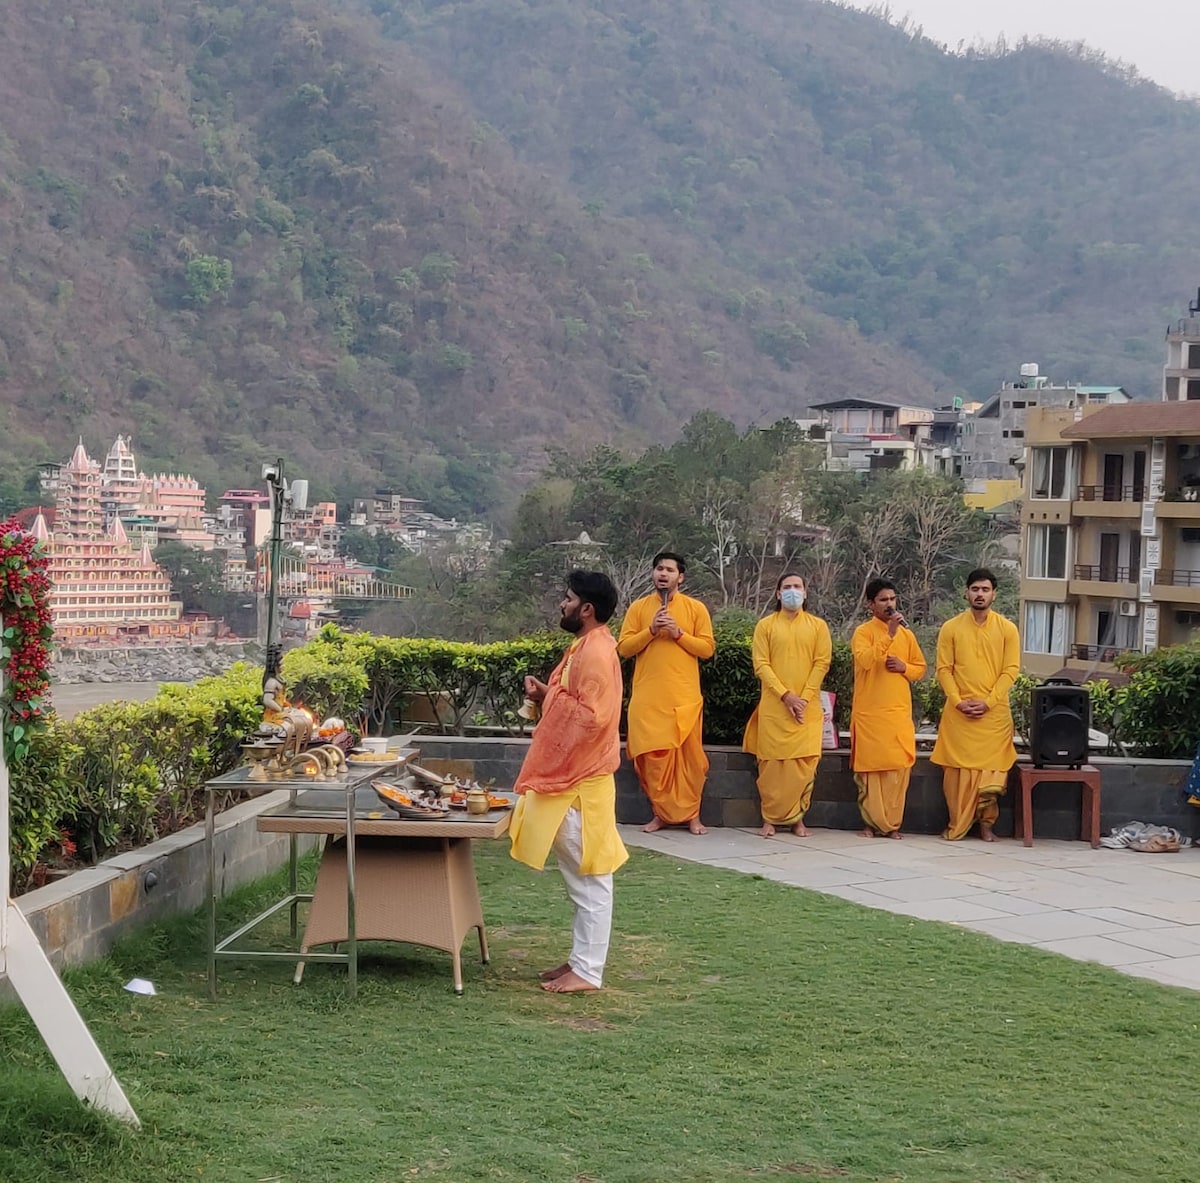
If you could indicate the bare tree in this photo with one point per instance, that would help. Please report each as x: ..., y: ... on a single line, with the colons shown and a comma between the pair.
x: 631, y: 575
x: 723, y: 524
x: 879, y: 536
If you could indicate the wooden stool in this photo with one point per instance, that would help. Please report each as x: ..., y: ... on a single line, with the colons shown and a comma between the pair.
x: 1087, y: 777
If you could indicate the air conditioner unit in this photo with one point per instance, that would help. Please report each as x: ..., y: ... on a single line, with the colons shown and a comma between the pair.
x: 1129, y: 608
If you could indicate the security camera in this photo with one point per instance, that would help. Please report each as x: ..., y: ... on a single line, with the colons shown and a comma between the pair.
x: 270, y: 472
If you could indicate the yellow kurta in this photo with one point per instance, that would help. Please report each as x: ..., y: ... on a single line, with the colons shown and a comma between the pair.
x: 882, y: 736
x: 665, y: 708
x: 538, y: 816
x: 789, y: 655
x: 977, y: 661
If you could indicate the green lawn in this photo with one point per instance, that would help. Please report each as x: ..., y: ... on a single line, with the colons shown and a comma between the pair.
x: 748, y: 1031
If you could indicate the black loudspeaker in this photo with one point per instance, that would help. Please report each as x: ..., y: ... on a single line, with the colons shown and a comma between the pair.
x: 1061, y: 717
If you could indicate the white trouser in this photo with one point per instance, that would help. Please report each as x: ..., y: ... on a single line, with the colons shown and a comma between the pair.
x: 592, y: 896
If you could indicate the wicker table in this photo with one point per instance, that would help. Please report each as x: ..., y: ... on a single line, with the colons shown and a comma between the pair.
x: 414, y: 880
x: 348, y: 796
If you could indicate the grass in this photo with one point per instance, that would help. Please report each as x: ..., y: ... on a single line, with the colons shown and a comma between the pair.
x: 748, y: 1030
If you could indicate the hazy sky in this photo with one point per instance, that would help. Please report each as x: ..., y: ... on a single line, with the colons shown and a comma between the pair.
x: 1156, y: 36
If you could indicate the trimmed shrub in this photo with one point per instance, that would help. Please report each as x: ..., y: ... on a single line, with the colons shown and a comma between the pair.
x: 126, y: 773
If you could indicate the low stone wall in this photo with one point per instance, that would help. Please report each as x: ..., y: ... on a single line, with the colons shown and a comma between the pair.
x: 151, y: 663
x: 1131, y: 790
x: 81, y: 917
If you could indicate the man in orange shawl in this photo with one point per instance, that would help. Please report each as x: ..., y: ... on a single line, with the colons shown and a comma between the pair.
x: 668, y: 633
x: 568, y: 800
x: 978, y: 659
x: 883, y: 742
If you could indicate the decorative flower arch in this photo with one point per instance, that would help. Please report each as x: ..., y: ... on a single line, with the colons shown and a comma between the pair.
x: 24, y: 637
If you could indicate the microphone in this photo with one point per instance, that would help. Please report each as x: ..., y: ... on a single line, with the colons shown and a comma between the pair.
x: 892, y: 610
x: 664, y: 594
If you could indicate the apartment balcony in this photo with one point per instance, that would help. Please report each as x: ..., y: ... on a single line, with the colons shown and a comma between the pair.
x: 1180, y: 504
x: 1111, y: 493
x: 1102, y: 573
x: 1102, y: 581
x: 1176, y: 586
x: 1098, y: 654
x: 1108, y: 501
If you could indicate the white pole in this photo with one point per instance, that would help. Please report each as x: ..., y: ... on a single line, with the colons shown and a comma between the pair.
x: 43, y: 995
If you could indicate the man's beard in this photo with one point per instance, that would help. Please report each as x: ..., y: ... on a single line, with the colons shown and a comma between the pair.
x: 572, y: 623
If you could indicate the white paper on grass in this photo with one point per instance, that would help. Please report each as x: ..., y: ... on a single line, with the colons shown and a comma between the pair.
x: 140, y: 986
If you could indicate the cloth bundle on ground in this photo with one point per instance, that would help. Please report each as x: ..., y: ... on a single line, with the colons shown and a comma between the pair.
x: 1145, y: 838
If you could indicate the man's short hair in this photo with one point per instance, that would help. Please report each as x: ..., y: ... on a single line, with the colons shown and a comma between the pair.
x: 670, y: 554
x: 595, y: 588
x: 979, y: 575
x: 876, y: 586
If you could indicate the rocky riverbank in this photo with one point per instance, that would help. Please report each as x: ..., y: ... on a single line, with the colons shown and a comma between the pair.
x: 151, y: 663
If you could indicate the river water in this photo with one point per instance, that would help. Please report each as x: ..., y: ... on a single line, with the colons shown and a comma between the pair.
x: 69, y: 700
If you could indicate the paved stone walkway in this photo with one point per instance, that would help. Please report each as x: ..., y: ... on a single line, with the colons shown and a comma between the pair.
x: 1139, y: 913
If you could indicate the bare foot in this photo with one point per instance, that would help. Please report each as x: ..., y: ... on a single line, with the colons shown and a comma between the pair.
x: 696, y: 827
x: 895, y: 834
x: 985, y: 832
x: 866, y: 832
x: 568, y: 983
x: 549, y: 975
x: 653, y: 825
x: 767, y: 831
x: 801, y: 830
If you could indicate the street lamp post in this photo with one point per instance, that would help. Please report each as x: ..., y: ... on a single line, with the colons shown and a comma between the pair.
x: 283, y: 497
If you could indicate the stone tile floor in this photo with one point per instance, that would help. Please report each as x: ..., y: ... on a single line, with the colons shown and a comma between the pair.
x: 1139, y: 913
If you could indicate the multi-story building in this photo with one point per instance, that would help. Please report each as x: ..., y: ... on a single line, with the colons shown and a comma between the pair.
x: 102, y: 587
x: 992, y: 441
x: 384, y: 510
x: 315, y: 528
x: 868, y: 435
x: 1181, y: 374
x: 1111, y: 522
x: 166, y: 507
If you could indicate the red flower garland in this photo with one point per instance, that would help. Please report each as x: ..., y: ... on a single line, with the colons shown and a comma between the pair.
x: 24, y: 636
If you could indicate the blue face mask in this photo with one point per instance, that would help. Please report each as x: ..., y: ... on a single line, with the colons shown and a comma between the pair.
x: 792, y: 598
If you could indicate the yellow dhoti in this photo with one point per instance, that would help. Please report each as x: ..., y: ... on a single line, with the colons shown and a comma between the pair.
x: 972, y: 795
x: 785, y: 789
x: 538, y: 817
x: 881, y: 797
x: 673, y: 778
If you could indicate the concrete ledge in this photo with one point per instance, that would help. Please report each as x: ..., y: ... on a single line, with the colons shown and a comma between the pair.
x: 81, y: 917
x: 1130, y: 789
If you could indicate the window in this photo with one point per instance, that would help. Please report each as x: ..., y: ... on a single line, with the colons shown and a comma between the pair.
x: 1046, y: 628
x: 1046, y: 552
x: 1052, y: 473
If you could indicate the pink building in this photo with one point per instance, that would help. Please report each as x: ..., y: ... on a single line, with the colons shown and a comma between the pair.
x: 102, y: 588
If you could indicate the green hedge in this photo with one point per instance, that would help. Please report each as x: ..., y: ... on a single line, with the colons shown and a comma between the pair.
x: 458, y: 682
x: 1156, y: 714
x: 125, y: 773
x: 368, y: 680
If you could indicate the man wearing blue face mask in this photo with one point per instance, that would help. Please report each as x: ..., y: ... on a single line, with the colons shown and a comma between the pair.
x: 792, y: 652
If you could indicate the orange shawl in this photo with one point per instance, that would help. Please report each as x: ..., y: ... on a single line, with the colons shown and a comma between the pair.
x: 577, y: 736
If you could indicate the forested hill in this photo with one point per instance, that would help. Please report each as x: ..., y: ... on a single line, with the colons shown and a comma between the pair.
x: 980, y: 209
x: 410, y: 243
x: 248, y: 230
